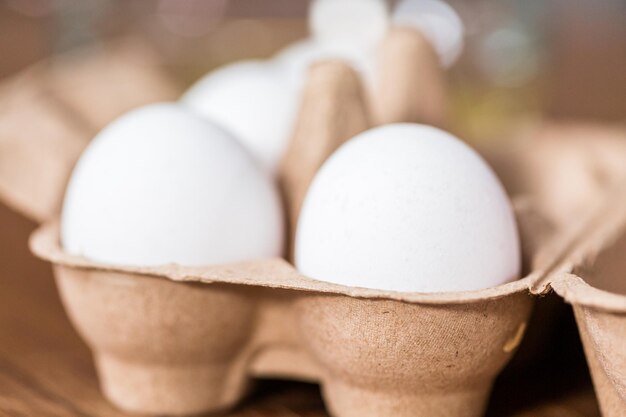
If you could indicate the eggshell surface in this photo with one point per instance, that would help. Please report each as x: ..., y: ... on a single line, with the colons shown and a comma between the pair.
x: 407, y: 208
x: 251, y: 100
x: 353, y: 21
x: 161, y: 185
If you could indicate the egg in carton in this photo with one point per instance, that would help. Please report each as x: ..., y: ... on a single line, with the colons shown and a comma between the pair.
x: 168, y: 347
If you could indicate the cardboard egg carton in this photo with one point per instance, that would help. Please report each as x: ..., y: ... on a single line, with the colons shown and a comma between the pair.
x: 588, y: 175
x: 178, y: 340
x: 593, y: 280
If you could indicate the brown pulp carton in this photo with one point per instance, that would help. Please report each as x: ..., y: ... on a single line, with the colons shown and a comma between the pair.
x: 163, y: 347
x: 50, y: 112
x: 595, y: 284
x: 591, y: 162
x: 176, y: 340
x: 601, y: 318
x: 166, y: 347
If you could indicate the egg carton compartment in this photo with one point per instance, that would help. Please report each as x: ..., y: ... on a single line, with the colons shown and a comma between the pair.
x: 184, y: 348
x: 50, y: 112
x: 596, y: 288
x: 176, y: 340
x: 373, y: 352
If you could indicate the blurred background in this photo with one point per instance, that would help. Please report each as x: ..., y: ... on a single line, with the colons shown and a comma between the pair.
x: 523, y: 59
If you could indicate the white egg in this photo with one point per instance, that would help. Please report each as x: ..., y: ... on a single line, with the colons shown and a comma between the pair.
x: 438, y: 21
x: 359, y: 22
x: 251, y: 100
x: 407, y: 208
x: 161, y: 185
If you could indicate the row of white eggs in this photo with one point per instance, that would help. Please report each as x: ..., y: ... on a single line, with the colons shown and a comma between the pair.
x: 402, y: 207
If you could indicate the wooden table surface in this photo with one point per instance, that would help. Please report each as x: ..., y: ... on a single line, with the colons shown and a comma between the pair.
x: 46, y: 370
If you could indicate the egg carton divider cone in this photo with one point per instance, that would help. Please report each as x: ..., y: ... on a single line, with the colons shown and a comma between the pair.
x: 178, y: 340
